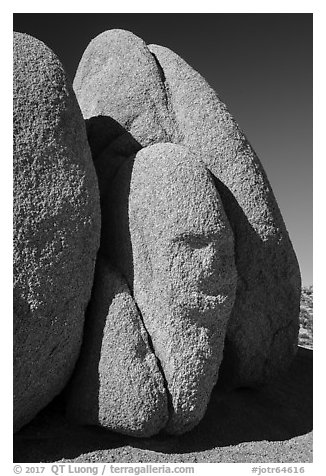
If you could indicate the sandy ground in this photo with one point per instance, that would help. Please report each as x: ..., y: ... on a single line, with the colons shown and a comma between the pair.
x: 272, y: 425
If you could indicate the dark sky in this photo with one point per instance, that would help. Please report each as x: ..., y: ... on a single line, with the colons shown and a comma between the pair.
x: 259, y: 64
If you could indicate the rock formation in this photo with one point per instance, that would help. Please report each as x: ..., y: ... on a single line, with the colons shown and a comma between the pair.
x: 263, y: 328
x: 117, y: 383
x: 196, y: 282
x: 168, y: 233
x: 56, y: 227
x: 118, y: 77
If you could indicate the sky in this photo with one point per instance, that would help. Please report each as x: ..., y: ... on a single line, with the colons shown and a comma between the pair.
x: 260, y: 65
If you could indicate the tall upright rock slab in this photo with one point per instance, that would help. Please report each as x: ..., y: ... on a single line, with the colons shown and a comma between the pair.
x: 169, y: 235
x: 56, y: 227
x: 263, y: 328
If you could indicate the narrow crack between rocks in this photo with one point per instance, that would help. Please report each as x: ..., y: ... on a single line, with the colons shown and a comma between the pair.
x: 178, y: 136
x: 159, y: 363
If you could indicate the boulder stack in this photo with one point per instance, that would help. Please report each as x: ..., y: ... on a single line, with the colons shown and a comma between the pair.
x: 197, y: 282
x: 262, y: 332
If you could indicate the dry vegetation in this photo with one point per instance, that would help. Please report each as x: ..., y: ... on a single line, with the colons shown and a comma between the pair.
x: 306, y: 313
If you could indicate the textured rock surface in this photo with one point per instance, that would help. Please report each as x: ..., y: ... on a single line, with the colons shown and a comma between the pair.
x: 138, y: 89
x: 117, y: 383
x: 168, y: 233
x: 263, y: 329
x: 118, y: 77
x: 56, y: 227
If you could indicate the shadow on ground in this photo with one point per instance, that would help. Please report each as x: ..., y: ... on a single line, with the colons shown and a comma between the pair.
x: 276, y: 413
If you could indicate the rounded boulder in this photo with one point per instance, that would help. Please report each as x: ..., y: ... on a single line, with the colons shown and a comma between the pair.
x: 56, y: 227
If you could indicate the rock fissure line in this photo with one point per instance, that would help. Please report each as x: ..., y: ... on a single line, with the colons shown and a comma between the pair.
x: 167, y: 97
x: 159, y: 363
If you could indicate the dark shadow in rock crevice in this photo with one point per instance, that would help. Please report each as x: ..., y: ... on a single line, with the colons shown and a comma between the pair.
x: 113, y: 147
x: 104, y: 132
